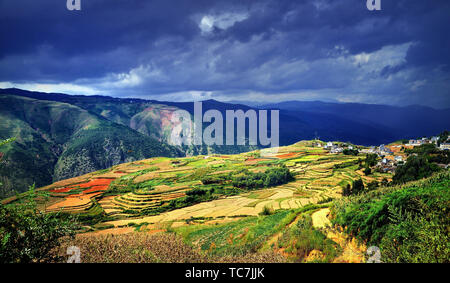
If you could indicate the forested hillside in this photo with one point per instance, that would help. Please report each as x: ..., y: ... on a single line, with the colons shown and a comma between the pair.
x: 56, y: 141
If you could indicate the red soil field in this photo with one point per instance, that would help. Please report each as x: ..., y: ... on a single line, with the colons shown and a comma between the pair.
x: 61, y: 190
x: 287, y: 155
x: 95, y: 185
x: 254, y: 160
x: 97, y: 182
x: 83, y: 196
x: 95, y: 189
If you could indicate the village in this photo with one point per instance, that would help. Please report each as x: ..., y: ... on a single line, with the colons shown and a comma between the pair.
x: 391, y: 155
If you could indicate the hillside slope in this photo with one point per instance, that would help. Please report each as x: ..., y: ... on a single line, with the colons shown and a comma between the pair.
x: 223, y: 205
x: 57, y: 141
x: 53, y: 131
x: 150, y: 117
x: 409, y: 223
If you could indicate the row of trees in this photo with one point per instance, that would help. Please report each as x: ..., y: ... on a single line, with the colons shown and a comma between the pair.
x: 353, y: 152
x: 271, y: 177
x: 251, y: 180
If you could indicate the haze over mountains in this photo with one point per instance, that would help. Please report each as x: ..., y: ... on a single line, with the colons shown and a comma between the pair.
x: 61, y: 136
x: 403, y: 122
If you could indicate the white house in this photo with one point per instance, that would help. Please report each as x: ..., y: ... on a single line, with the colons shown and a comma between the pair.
x: 445, y: 146
x: 416, y: 142
x: 336, y: 150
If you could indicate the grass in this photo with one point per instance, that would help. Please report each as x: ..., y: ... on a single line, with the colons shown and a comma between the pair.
x: 235, y: 238
x: 409, y: 223
x: 140, y: 247
x: 300, y: 240
x: 318, y: 180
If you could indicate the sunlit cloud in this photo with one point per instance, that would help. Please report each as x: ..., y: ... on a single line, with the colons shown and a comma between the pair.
x: 53, y: 88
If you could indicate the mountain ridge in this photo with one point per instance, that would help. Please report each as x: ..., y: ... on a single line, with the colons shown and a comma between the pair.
x: 57, y: 140
x: 132, y: 120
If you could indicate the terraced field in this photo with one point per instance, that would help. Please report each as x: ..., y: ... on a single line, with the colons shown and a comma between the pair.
x: 160, y: 190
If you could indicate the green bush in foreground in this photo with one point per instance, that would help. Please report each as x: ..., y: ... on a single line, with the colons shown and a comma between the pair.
x: 408, y: 223
x: 28, y: 235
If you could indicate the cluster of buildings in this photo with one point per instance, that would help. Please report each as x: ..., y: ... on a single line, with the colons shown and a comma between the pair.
x: 333, y: 148
x: 391, y: 155
x: 423, y: 141
x: 432, y: 140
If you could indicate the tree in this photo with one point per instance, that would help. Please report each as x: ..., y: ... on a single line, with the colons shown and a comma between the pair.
x: 28, y: 234
x: 443, y: 137
x: 350, y: 152
x: 347, y: 190
x: 415, y: 168
x: 3, y: 142
x: 367, y: 171
x: 371, y: 159
x: 271, y: 177
x: 357, y: 187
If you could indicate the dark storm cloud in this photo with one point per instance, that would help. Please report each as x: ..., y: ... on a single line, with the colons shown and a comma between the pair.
x: 101, y: 26
x: 324, y: 49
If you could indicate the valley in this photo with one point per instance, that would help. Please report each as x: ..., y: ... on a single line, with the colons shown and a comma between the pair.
x: 282, y: 205
x: 60, y: 136
x: 133, y: 192
x: 196, y: 194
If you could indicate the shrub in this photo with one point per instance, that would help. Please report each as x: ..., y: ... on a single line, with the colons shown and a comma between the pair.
x: 207, y: 180
x: 409, y: 223
x: 373, y: 185
x: 416, y: 167
x: 304, y: 238
x: 356, y: 188
x: 196, y: 192
x: 267, y: 211
x: 28, y: 235
x: 350, y: 151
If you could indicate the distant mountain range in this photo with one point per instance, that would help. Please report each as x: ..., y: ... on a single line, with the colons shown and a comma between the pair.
x: 61, y: 136
x: 402, y: 122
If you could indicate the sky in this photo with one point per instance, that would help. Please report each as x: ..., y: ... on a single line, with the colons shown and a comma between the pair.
x: 260, y: 51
